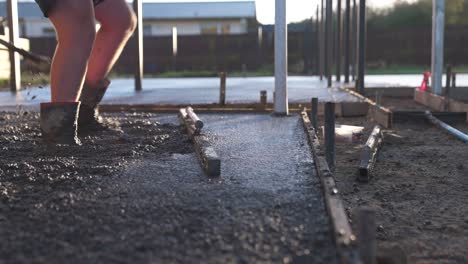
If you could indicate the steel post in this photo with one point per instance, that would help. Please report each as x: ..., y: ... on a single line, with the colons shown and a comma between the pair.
x: 360, y: 83
x: 138, y: 38
x: 347, y: 26
x: 281, y: 59
x: 330, y: 134
x: 438, y: 25
x: 15, y: 69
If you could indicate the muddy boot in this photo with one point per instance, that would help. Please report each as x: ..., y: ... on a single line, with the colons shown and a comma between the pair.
x: 90, y: 120
x: 58, y: 122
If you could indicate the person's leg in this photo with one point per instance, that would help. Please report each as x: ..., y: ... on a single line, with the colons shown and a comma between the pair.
x: 118, y: 22
x: 117, y: 25
x: 75, y: 26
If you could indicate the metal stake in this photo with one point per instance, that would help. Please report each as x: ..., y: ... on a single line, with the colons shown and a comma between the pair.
x: 314, y: 112
x: 330, y: 134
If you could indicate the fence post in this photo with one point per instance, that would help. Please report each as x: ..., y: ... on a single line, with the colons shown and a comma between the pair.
x: 138, y: 35
x: 15, y: 66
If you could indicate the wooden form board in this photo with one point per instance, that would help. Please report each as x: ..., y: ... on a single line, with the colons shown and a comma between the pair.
x: 209, y: 159
x: 380, y: 114
x: 439, y: 103
x: 342, y: 233
x: 342, y: 109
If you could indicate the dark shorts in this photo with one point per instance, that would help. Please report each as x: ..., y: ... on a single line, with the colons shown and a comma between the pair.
x: 47, y: 5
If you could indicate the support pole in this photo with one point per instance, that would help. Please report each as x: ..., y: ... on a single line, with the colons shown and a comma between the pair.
x: 347, y: 26
x: 15, y: 69
x: 330, y: 135
x: 281, y: 59
x: 322, y: 41
x: 138, y: 36
x: 317, y: 41
x: 354, y: 42
x: 338, y: 41
x: 328, y: 41
x: 438, y: 24
x: 360, y: 83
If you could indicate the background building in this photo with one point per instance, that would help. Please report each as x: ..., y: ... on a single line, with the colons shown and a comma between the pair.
x: 191, y: 18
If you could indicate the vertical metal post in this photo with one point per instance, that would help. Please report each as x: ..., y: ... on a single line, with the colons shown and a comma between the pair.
x: 328, y: 41
x: 330, y: 134
x: 347, y: 26
x: 138, y: 36
x: 222, y: 88
x: 281, y: 59
x: 354, y: 42
x: 322, y: 41
x: 338, y: 41
x: 263, y: 99
x: 317, y: 41
x: 15, y: 69
x: 438, y: 25
x: 366, y: 233
x: 360, y: 83
x: 314, y: 112
x: 448, y: 78
x: 454, y: 80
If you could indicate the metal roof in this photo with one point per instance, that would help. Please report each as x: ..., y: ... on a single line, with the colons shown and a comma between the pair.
x: 167, y: 10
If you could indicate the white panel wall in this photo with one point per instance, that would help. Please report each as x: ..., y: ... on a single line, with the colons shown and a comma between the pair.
x: 40, y: 27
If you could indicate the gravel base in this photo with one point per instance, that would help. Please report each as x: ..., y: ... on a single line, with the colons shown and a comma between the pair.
x: 419, y: 192
x: 139, y: 196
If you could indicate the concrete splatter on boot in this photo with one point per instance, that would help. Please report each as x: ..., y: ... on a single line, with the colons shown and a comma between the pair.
x: 90, y: 120
x: 59, y: 123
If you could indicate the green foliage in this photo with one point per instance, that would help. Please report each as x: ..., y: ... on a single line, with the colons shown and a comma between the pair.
x: 416, y: 14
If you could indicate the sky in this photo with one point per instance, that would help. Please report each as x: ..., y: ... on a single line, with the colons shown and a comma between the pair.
x: 297, y: 10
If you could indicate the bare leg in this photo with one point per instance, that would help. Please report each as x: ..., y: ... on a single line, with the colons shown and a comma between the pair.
x: 117, y: 25
x: 75, y: 26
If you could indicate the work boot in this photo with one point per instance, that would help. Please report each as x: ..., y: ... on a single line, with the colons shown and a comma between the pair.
x: 90, y: 120
x: 58, y: 122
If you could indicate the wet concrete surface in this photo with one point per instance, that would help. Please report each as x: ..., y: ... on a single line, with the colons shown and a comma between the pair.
x: 206, y: 90
x: 160, y: 208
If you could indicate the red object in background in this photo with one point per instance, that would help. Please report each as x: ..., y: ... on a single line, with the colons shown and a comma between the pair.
x: 425, y: 82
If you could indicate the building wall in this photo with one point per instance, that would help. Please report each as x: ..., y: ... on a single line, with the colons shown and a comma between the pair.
x: 195, y: 27
x: 5, y: 57
x: 36, y: 27
x: 40, y: 27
